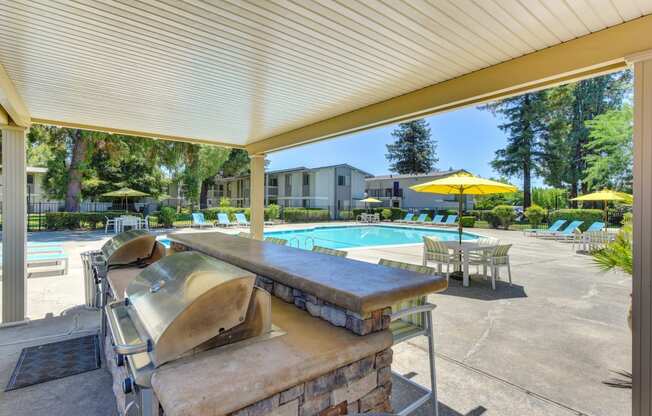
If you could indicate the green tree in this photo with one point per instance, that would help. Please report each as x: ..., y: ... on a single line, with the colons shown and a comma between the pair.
x: 550, y: 198
x: 525, y: 124
x: 414, y: 150
x: 609, y: 150
x: 567, y: 155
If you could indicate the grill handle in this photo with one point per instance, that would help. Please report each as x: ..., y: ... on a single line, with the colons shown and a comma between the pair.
x: 120, y: 344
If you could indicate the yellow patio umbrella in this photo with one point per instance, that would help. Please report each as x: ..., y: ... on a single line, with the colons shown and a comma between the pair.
x: 605, y: 196
x: 125, y: 193
x: 463, y: 184
x: 370, y: 200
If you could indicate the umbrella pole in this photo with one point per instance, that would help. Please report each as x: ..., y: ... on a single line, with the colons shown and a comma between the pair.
x: 459, y: 217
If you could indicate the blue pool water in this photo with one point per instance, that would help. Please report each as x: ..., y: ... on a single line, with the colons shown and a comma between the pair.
x: 362, y: 236
x: 165, y: 241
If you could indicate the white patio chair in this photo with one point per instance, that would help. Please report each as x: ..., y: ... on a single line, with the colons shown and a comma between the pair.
x: 110, y: 222
x: 498, y: 258
x: 144, y: 223
x: 413, y: 318
x: 481, y: 257
x: 436, y: 252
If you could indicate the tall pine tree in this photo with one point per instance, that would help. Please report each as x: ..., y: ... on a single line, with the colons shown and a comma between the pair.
x: 577, y: 104
x: 525, y: 125
x: 414, y: 150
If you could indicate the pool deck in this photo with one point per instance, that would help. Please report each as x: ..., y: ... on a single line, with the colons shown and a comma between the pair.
x: 540, y: 347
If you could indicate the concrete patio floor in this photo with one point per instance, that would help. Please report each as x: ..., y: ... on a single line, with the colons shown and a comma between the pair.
x: 540, y: 347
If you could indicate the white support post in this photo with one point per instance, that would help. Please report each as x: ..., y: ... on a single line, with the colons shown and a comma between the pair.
x: 14, y: 223
x: 257, y: 195
x: 642, y: 279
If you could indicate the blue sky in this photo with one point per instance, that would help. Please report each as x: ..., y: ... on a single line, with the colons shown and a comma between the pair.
x: 467, y: 139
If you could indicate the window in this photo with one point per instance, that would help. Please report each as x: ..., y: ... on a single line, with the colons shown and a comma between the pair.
x: 273, y: 181
x: 341, y: 180
x: 306, y: 179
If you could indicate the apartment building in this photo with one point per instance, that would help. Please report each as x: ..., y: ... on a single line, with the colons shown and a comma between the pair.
x: 335, y: 187
x: 394, y: 191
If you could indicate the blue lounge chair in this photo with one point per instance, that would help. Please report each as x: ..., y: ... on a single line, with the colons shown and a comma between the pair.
x: 420, y: 220
x: 596, y: 226
x: 198, y: 220
x: 565, y: 234
x: 223, y: 219
x: 241, y: 219
x: 553, y: 228
x: 437, y: 220
x: 408, y: 218
x: 450, y: 220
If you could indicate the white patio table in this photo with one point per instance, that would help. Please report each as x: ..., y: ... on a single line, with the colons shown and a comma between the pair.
x: 466, y: 248
x: 127, y: 221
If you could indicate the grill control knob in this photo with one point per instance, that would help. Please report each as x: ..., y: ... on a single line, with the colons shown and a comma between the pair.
x: 127, y: 385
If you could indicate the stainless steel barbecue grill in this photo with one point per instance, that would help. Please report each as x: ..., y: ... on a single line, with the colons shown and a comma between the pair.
x: 179, y: 306
x: 131, y: 248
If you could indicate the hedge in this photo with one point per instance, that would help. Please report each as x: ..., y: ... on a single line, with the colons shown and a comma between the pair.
x: 305, y: 214
x: 397, y: 213
x: 468, y: 221
x: 78, y: 220
x: 589, y: 216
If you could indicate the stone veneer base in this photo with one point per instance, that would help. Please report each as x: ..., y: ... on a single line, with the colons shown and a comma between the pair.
x: 364, y: 386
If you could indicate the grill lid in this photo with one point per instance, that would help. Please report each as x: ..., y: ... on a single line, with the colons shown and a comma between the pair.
x: 186, y: 299
x: 128, y: 247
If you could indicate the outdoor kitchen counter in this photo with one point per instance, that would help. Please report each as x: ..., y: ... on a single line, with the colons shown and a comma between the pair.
x: 221, y: 381
x: 354, y: 285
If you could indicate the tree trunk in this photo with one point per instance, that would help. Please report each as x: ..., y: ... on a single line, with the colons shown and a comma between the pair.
x: 527, y: 192
x: 573, y: 194
x: 203, y: 195
x: 75, y: 174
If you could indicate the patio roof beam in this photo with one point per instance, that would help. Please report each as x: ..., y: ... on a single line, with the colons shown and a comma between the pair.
x: 587, y: 56
x: 11, y: 102
x: 135, y: 133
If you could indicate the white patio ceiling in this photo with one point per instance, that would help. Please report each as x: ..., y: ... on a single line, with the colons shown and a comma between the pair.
x: 237, y: 72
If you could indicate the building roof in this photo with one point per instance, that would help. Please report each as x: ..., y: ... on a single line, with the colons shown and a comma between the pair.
x: 300, y: 169
x: 433, y: 175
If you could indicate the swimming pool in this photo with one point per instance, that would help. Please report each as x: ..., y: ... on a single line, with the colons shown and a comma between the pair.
x: 362, y: 236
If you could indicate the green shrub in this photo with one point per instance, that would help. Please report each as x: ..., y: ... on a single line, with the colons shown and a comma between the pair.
x: 446, y: 212
x: 468, y: 221
x: 345, y: 215
x: 628, y: 217
x: 589, y: 216
x: 79, y: 220
x: 504, y: 216
x: 306, y: 214
x: 386, y: 214
x: 397, y: 213
x: 225, y: 202
x: 272, y: 212
x: 535, y: 215
x: 167, y: 216
x: 62, y: 220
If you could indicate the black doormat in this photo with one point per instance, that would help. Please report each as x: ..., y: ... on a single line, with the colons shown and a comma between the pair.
x: 55, y: 360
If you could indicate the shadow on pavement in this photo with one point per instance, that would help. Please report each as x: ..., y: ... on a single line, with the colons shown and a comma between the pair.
x: 480, y: 289
x: 404, y: 393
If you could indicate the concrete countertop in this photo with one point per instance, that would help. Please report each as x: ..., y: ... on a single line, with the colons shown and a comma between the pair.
x: 223, y: 380
x: 357, y: 286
